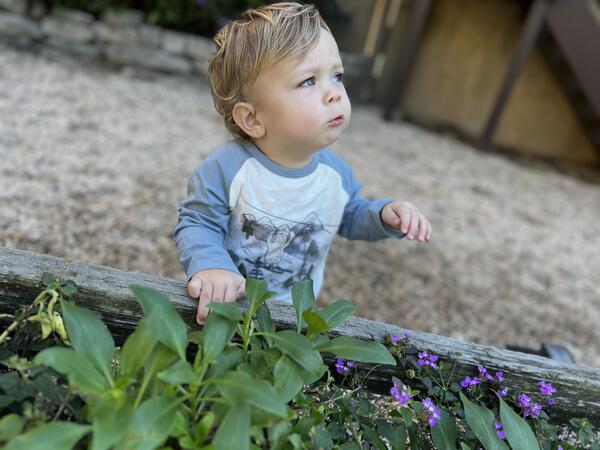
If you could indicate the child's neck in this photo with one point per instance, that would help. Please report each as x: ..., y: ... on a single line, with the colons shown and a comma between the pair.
x: 288, y: 159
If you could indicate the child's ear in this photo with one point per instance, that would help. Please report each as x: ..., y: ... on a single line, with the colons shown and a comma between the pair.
x: 244, y: 115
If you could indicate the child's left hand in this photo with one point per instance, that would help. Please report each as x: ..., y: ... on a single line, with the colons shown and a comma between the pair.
x: 405, y: 217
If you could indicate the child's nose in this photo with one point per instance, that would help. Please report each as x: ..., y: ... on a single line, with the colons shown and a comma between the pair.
x: 332, y: 96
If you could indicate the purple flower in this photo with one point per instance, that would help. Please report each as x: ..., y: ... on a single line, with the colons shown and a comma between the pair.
x: 502, y: 392
x: 395, y: 338
x: 343, y: 368
x: 483, y: 373
x: 432, y: 413
x: 465, y: 383
x: 499, y: 430
x: 546, y: 389
x: 402, y: 396
x: 425, y: 359
x: 499, y: 376
x: 469, y: 383
x: 524, y: 401
x: 530, y: 409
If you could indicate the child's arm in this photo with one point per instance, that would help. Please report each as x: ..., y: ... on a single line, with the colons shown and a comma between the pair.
x: 377, y: 219
x: 200, y: 235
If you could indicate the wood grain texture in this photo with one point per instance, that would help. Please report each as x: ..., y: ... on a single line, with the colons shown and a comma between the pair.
x: 105, y: 291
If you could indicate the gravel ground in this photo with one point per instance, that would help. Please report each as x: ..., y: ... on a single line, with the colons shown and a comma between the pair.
x: 93, y: 161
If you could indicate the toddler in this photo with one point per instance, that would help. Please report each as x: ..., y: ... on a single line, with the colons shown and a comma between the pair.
x: 268, y: 204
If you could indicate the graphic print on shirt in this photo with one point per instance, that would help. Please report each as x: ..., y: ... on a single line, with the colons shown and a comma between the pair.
x: 281, y: 250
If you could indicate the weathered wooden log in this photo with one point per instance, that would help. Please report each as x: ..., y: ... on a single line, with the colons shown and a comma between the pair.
x: 105, y: 291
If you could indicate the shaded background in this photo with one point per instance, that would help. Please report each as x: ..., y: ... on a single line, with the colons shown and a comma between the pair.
x: 95, y: 154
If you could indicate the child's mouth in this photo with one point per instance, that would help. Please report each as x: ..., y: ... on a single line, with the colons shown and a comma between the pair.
x: 336, y: 121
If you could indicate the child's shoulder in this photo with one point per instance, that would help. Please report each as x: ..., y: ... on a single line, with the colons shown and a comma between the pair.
x: 223, y: 162
x: 332, y: 159
x: 229, y: 152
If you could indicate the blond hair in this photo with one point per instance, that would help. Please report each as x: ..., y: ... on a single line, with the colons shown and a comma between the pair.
x: 261, y: 38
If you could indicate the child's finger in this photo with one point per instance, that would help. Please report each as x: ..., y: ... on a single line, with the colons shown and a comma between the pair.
x: 241, y: 290
x: 414, y: 225
x: 404, y: 214
x: 219, y: 293
x: 194, y: 287
x: 205, y: 299
x: 423, y: 228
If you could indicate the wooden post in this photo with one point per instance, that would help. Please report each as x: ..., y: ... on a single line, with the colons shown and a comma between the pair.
x: 105, y: 291
x: 409, y: 48
x: 535, y: 20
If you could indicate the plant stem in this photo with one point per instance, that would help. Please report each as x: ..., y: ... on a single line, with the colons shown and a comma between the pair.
x: 246, y: 333
x: 24, y: 315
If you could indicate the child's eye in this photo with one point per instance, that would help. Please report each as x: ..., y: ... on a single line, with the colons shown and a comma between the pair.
x: 308, y: 82
x: 338, y: 77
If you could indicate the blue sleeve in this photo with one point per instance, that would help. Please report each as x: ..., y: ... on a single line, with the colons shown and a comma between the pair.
x: 204, y: 213
x: 362, y: 218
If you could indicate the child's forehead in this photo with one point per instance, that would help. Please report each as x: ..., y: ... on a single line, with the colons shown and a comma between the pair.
x: 325, y: 53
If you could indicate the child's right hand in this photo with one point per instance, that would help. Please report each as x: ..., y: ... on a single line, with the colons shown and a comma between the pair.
x: 215, y: 285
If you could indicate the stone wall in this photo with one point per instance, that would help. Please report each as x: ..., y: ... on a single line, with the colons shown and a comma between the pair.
x: 120, y: 37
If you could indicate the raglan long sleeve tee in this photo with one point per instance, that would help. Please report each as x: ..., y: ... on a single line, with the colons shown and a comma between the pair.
x: 249, y: 215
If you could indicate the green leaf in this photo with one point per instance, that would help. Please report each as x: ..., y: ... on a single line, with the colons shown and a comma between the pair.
x: 161, y: 358
x: 204, y: 427
x: 278, y: 434
x: 481, y: 421
x: 227, y: 360
x: 138, y: 346
x: 399, y: 442
x: 163, y: 318
x: 350, y: 446
x: 80, y: 370
x: 300, y: 349
x: 234, y: 431
x: 444, y: 434
x: 336, y: 313
x: 287, y: 378
x: 229, y: 310
x: 464, y: 446
x: 264, y: 322
x: 303, y: 298
x: 362, y: 351
x: 517, y: 430
x: 179, y: 373
x: 68, y: 288
x: 109, y: 422
x: 89, y: 336
x: 48, y: 278
x: 240, y: 387
x: 10, y: 426
x: 316, y: 323
x: 256, y: 293
x: 152, y: 422
x: 49, y: 436
x: 373, y: 437
x: 320, y: 438
x: 218, y: 331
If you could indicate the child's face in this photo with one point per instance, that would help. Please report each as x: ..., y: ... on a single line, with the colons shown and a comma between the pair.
x: 302, y: 103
